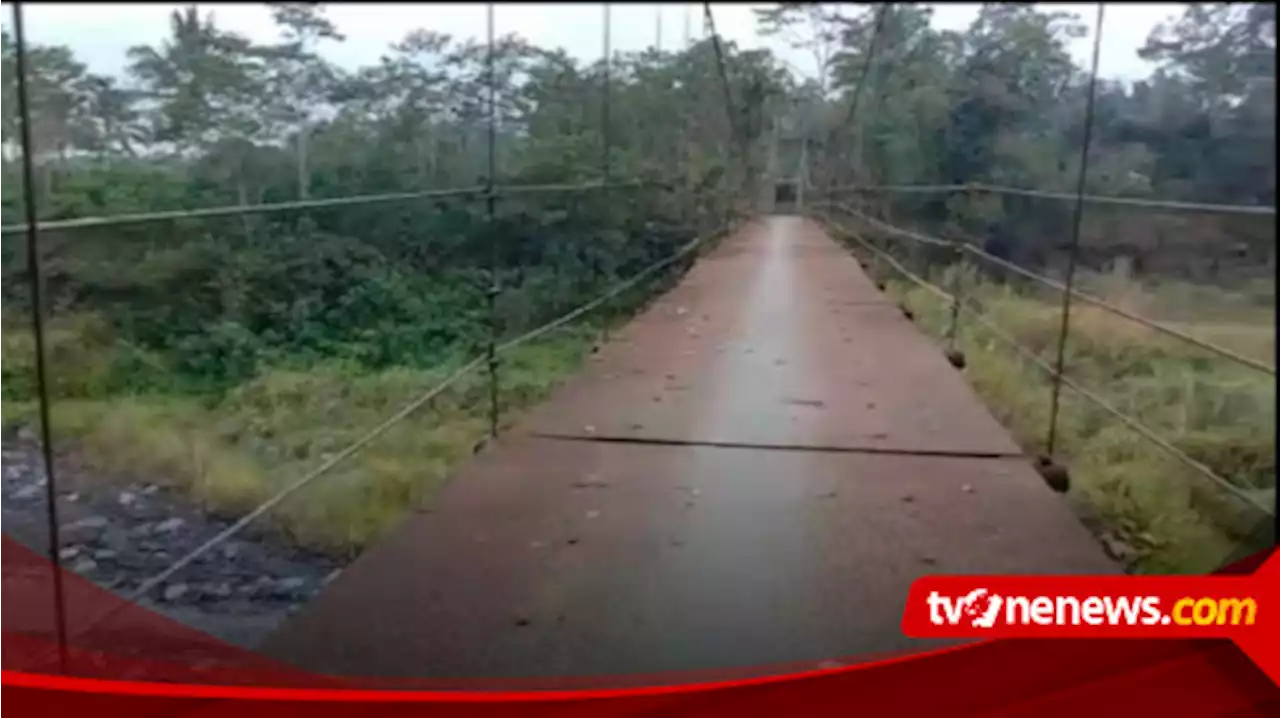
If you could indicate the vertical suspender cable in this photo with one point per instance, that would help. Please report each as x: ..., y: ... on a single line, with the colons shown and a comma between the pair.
x: 738, y: 139
x: 688, y: 89
x: 606, y: 90
x: 604, y: 100
x: 1074, y: 249
x: 872, y: 47
x: 491, y: 354
x: 723, y: 71
x: 35, y: 274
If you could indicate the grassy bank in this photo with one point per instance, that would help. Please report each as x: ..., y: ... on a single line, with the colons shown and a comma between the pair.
x: 123, y: 413
x: 231, y: 452
x: 1163, y: 516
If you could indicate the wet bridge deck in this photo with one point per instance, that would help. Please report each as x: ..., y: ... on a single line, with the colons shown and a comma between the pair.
x: 751, y: 473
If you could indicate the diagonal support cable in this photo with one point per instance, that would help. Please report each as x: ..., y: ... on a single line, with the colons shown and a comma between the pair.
x: 722, y: 69
x: 1142, y: 202
x: 413, y: 406
x: 873, y: 46
x: 1135, y: 424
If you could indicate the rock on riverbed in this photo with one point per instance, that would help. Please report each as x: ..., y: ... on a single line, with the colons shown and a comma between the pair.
x: 119, y: 534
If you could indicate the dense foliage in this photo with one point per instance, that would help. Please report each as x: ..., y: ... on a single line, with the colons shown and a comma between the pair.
x: 207, y: 118
x: 1003, y: 103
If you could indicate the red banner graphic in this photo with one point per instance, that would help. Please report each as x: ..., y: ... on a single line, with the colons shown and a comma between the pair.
x: 1245, y: 609
x: 146, y: 664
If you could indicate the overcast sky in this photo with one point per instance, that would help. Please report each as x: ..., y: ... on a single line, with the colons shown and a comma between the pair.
x: 99, y: 33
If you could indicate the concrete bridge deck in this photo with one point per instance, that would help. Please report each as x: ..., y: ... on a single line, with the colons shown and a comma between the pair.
x: 751, y: 473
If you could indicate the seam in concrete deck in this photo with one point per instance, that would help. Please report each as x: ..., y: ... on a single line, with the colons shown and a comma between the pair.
x: 888, y: 451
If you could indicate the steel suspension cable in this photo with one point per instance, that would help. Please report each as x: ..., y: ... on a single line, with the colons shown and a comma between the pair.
x: 606, y: 91
x: 1167, y: 204
x: 606, y: 148
x: 1177, y: 205
x: 1118, y: 311
x: 872, y: 46
x: 495, y: 288
x: 1073, y: 250
x: 1136, y: 425
x: 722, y: 69
x: 423, y: 399
x: 490, y: 192
x: 1060, y: 287
x: 463, y: 193
x: 35, y: 274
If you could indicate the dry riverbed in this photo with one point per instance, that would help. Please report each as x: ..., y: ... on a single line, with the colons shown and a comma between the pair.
x: 120, y: 533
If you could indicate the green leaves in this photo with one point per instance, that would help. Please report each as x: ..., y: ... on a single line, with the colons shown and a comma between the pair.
x: 214, y: 118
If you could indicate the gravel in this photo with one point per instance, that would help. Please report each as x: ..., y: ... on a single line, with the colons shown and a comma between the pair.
x: 119, y: 533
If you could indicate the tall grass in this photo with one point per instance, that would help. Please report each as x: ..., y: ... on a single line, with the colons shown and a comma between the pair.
x: 231, y: 452
x: 1165, y: 516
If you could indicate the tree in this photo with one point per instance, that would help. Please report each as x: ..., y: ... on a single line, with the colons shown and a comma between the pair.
x: 112, y: 121
x: 9, y: 101
x: 815, y: 27
x: 200, y: 84
x: 299, y: 82
x: 1221, y: 59
x: 207, y: 117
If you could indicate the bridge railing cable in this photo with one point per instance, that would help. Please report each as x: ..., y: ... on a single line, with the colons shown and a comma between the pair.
x: 636, y: 263
x: 1211, y: 239
x: 1005, y: 336
x: 976, y: 251
x: 737, y: 133
x: 979, y: 188
x: 143, y: 590
x: 476, y: 193
x: 873, y: 46
x: 36, y: 270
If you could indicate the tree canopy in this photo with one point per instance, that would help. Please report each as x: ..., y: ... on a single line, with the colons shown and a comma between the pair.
x: 207, y: 117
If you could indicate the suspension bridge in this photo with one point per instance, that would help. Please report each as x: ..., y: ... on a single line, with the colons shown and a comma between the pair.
x: 749, y: 473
